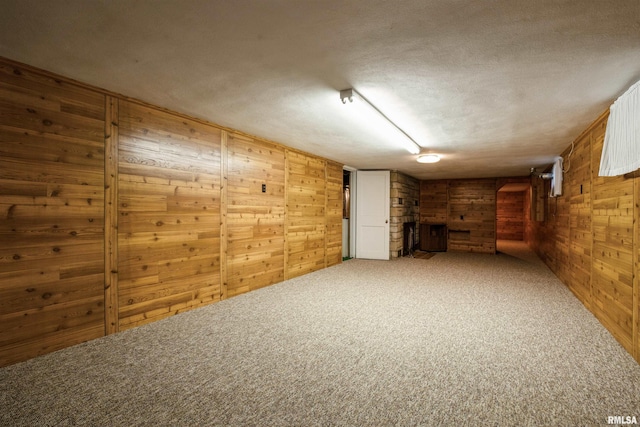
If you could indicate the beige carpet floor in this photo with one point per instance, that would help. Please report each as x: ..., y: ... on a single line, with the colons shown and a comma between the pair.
x: 456, y: 340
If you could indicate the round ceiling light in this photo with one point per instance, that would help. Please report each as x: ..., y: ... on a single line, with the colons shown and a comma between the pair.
x: 428, y: 158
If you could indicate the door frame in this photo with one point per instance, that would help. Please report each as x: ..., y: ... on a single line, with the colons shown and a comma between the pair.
x: 352, y: 209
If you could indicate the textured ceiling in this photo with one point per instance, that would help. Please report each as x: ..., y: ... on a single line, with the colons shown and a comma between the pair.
x: 494, y: 87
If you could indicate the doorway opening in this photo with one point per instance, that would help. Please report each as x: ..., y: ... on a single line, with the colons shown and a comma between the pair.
x: 511, y: 211
x: 348, y: 217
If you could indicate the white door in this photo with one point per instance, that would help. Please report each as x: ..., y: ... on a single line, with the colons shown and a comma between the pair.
x: 372, y: 214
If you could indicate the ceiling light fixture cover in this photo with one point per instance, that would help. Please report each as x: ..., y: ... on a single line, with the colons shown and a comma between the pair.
x: 351, y: 96
x: 428, y: 158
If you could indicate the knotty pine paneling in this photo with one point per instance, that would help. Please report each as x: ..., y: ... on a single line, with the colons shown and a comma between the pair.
x: 558, y: 212
x: 603, y: 239
x: 93, y: 183
x: 306, y: 219
x: 510, y: 215
x: 111, y: 138
x: 51, y: 214
x: 334, y: 213
x: 554, y: 238
x: 555, y: 246
x: 433, y: 202
x: 636, y: 267
x: 528, y: 221
x: 168, y: 214
x: 612, y: 217
x: 577, y: 187
x: 255, y: 219
x: 472, y: 215
x: 541, y: 233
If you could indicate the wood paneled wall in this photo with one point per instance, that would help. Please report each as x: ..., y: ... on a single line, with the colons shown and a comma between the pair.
x: 306, y: 206
x: 636, y: 268
x: 334, y: 213
x: 472, y: 215
x: 612, y: 217
x: 510, y: 215
x: 51, y: 214
x: 115, y: 213
x: 168, y: 214
x: 572, y: 258
x: 254, y: 219
x: 467, y: 207
x: 595, y: 237
x: 434, y: 202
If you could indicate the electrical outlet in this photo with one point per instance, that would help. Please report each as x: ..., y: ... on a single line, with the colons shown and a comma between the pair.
x: 264, y: 188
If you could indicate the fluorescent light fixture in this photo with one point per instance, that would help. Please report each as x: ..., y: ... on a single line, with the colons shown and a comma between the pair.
x: 374, y: 116
x: 428, y: 158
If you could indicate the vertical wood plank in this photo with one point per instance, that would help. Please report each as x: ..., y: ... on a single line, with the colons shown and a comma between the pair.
x: 286, y: 214
x: 223, y: 214
x: 333, y: 212
x: 636, y: 268
x: 326, y: 210
x: 592, y: 304
x: 111, y: 216
x: 561, y: 214
x: 578, y: 184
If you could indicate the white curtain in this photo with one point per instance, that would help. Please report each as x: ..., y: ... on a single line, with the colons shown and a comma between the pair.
x: 556, y: 181
x: 621, y: 152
